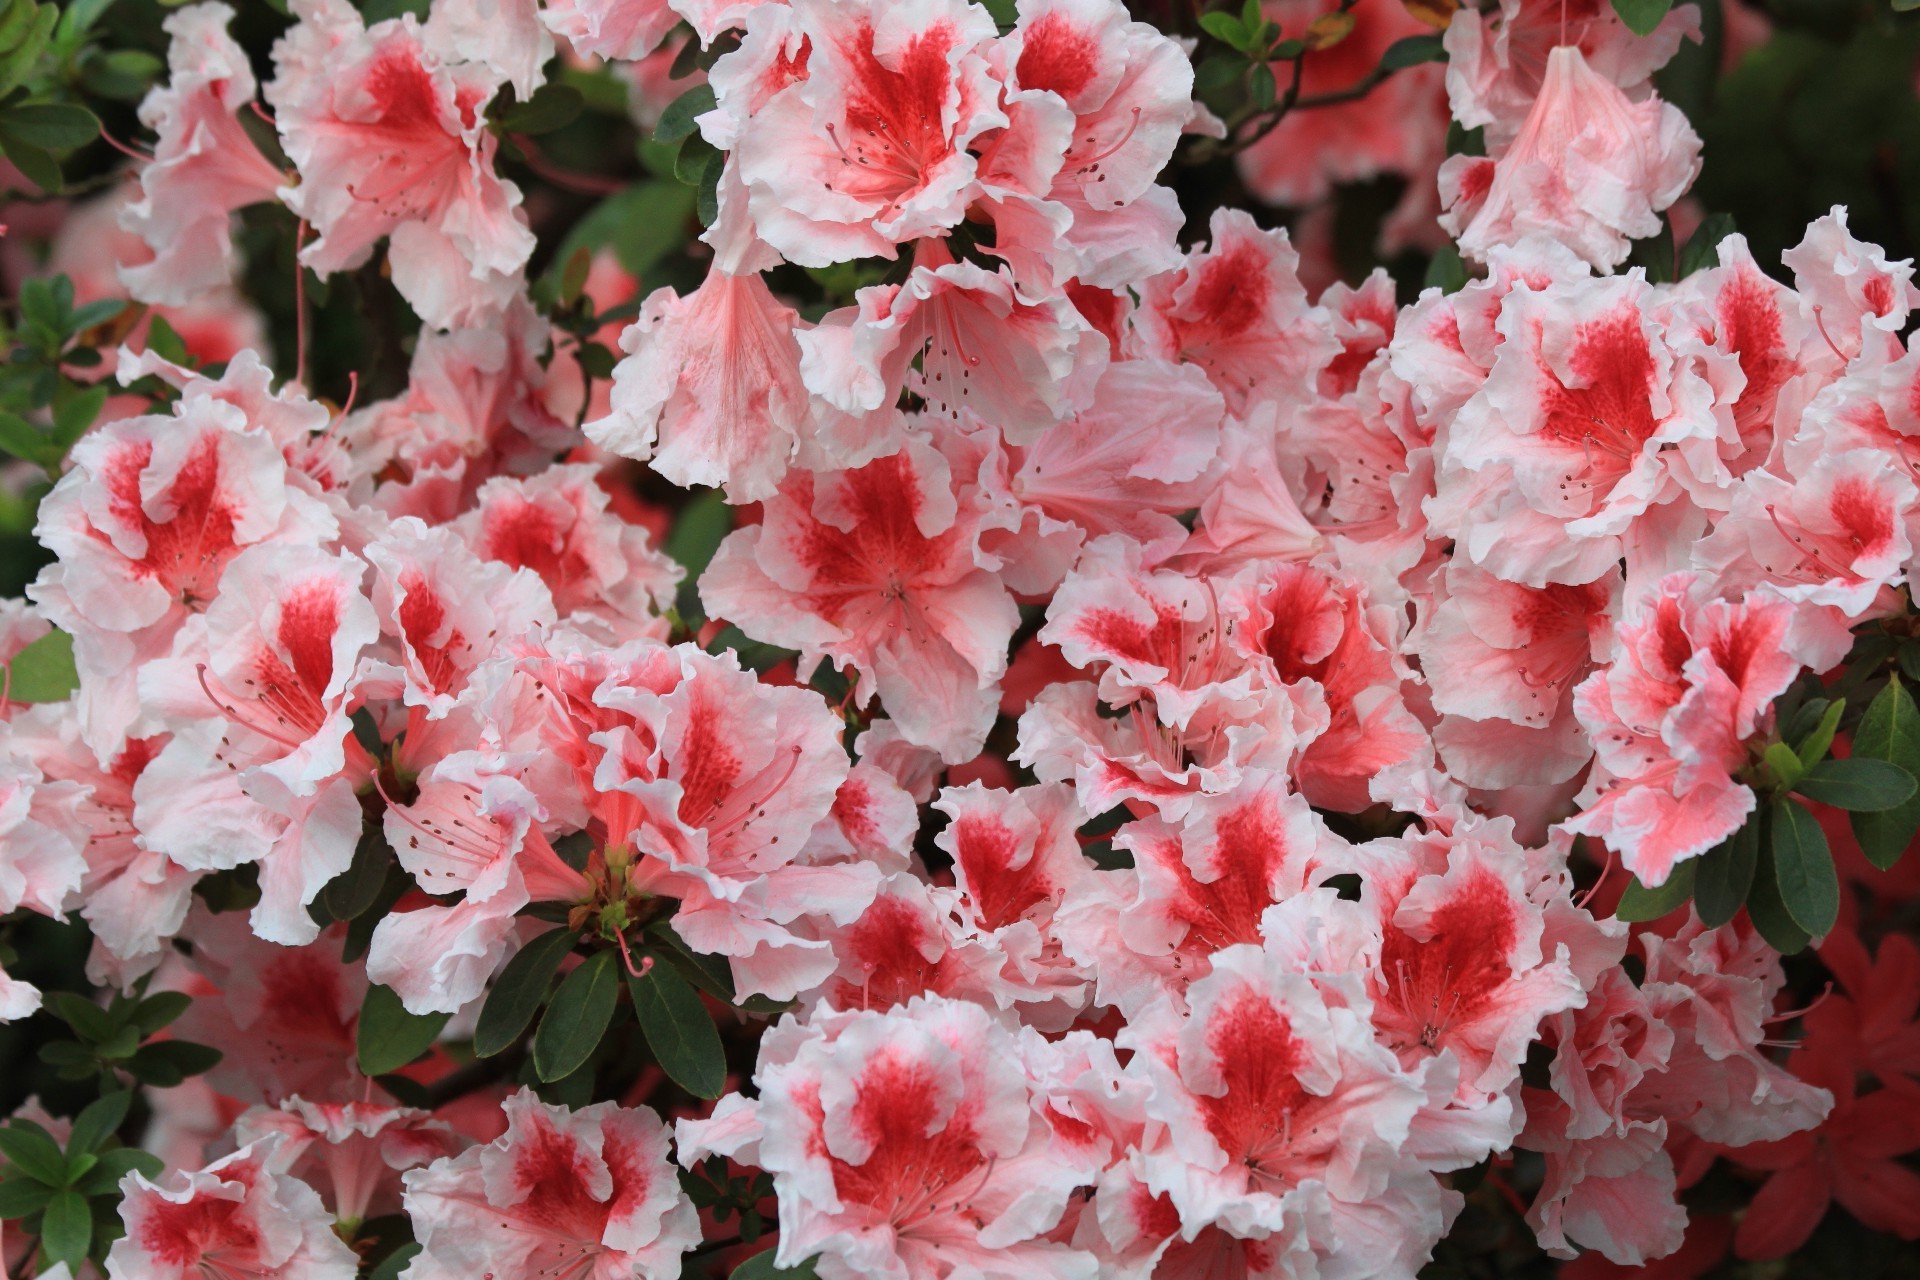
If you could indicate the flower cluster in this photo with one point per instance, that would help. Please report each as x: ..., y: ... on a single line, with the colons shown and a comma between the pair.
x: 1136, y: 781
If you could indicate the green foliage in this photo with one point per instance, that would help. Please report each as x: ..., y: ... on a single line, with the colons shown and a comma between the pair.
x: 114, y: 1043
x: 389, y: 1037
x: 760, y: 1267
x: 1803, y: 868
x: 577, y: 1017
x: 520, y: 990
x: 69, y: 1195
x: 47, y: 400
x: 43, y: 671
x: 679, y: 1030
x: 1889, y: 731
x: 1642, y: 16
x: 1641, y: 903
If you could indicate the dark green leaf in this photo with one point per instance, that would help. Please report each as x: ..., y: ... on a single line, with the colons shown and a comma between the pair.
x: 1447, y: 270
x: 44, y: 670
x: 1785, y: 763
x: 24, y: 440
x: 679, y: 1031
x: 1411, y: 51
x: 712, y: 974
x: 161, y: 1009
x: 695, y: 536
x: 99, y: 1120
x: 1890, y: 730
x: 168, y: 1062
x: 18, y: 59
x: 51, y: 126
x: 1813, y: 747
x: 389, y: 1036
x: 96, y: 313
x: 116, y: 1164
x: 1641, y: 903
x: 1721, y: 884
x: 1703, y: 246
x: 520, y: 990
x: 1226, y: 28
x: 1642, y: 16
x: 88, y: 1019
x: 1261, y: 86
x: 642, y: 224
x: 1768, y: 911
x: 707, y: 206
x: 66, y: 1228
x: 20, y: 1196
x: 577, y: 1017
x: 1858, y: 785
x: 353, y: 892
x: 1803, y: 869
x: 677, y: 121
x: 164, y: 342
x: 27, y: 1146
x: 553, y: 106
x: 760, y: 1267
x: 394, y: 1263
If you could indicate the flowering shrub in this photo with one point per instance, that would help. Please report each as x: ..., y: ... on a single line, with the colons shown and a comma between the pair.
x: 667, y: 638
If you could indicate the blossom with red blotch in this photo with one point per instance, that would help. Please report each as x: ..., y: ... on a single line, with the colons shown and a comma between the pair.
x: 586, y: 1193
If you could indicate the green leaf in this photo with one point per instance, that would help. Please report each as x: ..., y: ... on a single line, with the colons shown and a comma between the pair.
x: 642, y: 224
x: 1785, y: 763
x: 1859, y: 786
x: 353, y: 892
x: 168, y: 1062
x: 79, y: 18
x: 1803, y: 869
x: 99, y: 1120
x: 760, y: 1265
x: 1766, y: 908
x: 1261, y: 85
x: 66, y: 1228
x: 104, y: 1178
x: 1642, y: 16
x: 577, y: 1017
x: 678, y: 120
x: 1641, y: 903
x: 552, y: 106
x: 679, y: 1031
x: 1725, y: 876
x: 1226, y: 28
x: 20, y: 1196
x: 1813, y: 748
x: 712, y: 974
x: 24, y: 440
x: 390, y: 1037
x: 1411, y: 51
x: 51, y: 126
x: 44, y: 670
x: 394, y: 1263
x: 73, y: 414
x: 18, y: 60
x: 33, y: 1152
x: 1703, y: 246
x: 123, y: 75
x: 1447, y: 270
x: 1890, y: 731
x: 695, y: 536
x: 520, y: 990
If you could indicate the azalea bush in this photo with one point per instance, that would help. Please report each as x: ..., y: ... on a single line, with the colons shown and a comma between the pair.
x: 1029, y: 640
